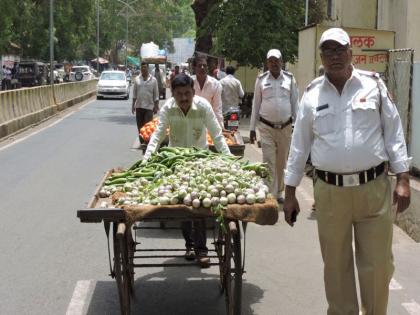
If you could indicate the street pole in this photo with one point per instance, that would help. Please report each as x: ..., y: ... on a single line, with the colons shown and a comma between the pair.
x: 51, y: 43
x: 126, y: 36
x: 97, y: 36
x: 306, y: 12
x: 127, y: 6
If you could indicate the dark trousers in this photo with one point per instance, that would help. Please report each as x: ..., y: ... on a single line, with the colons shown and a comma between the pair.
x: 195, y: 236
x: 143, y: 116
x: 4, y: 85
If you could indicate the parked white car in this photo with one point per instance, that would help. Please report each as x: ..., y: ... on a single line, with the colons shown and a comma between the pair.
x: 81, y: 73
x: 113, y: 84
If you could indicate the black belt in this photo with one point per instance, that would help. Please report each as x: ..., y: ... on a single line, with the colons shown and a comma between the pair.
x: 276, y: 126
x: 355, y: 179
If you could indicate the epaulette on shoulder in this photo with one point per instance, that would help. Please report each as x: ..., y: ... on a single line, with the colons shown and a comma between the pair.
x: 288, y: 73
x: 263, y: 75
x: 371, y: 74
x: 314, y: 83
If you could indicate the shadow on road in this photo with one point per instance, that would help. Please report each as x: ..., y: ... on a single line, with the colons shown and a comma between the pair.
x: 175, y: 291
x: 120, y: 119
x: 169, y: 230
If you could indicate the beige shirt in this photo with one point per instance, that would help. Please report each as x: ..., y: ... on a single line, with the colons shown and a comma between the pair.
x: 348, y: 132
x: 145, y: 92
x: 187, y: 130
x: 212, y: 92
x: 275, y: 100
x: 232, y: 92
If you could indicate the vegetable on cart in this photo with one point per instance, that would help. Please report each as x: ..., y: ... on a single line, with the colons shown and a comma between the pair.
x: 178, y: 184
x: 233, y: 138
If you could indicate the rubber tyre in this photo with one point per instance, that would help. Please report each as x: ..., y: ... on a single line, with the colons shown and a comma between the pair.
x: 78, y: 76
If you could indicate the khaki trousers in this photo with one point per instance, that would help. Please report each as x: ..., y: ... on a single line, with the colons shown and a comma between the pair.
x: 365, y: 212
x: 275, y: 148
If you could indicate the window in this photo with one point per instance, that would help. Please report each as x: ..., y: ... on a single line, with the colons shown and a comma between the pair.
x: 112, y: 76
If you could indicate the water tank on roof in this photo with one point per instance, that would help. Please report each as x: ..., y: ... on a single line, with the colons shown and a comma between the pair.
x: 149, y: 50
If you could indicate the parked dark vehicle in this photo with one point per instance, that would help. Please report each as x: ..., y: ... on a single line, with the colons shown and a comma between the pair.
x: 32, y: 73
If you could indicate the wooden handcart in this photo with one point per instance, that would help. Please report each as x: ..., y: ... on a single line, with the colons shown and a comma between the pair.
x: 128, y: 253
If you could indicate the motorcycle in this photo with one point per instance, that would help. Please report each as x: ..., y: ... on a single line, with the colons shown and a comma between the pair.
x: 231, y: 118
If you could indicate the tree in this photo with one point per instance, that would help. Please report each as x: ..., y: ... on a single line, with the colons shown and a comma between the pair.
x: 245, y: 30
x: 26, y: 23
x: 204, y: 37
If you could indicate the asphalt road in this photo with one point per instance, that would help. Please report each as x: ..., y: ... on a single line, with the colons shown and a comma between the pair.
x: 52, y: 264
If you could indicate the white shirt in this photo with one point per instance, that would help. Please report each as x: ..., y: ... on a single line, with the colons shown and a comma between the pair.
x: 275, y: 100
x: 212, y: 92
x: 187, y: 130
x: 145, y: 92
x: 346, y: 133
x: 232, y: 92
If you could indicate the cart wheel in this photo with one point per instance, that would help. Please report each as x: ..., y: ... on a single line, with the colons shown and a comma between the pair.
x: 131, y: 245
x: 220, y: 251
x: 233, y: 269
x: 121, y: 272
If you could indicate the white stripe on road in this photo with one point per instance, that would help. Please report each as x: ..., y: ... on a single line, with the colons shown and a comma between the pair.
x: 394, y: 285
x: 42, y: 129
x: 78, y: 300
x: 413, y: 308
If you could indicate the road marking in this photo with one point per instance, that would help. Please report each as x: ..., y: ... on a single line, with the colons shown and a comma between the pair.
x: 413, y: 308
x: 79, y: 298
x: 44, y: 128
x: 394, y: 285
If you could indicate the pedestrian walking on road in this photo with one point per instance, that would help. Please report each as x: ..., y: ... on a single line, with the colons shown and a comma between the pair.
x: 145, y: 97
x: 232, y: 92
x: 174, y: 73
x: 274, y: 108
x: 7, y: 78
x: 188, y: 117
x: 160, y: 78
x: 353, y: 131
x: 207, y: 86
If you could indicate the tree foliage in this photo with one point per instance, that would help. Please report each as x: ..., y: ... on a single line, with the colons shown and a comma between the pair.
x: 26, y: 23
x: 244, y: 30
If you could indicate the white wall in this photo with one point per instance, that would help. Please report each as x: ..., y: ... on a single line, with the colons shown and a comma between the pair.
x: 414, y: 148
x: 184, y: 49
x: 401, y: 16
x: 353, y: 13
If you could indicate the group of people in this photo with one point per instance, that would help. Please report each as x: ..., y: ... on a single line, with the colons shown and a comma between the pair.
x: 221, y: 95
x: 351, y: 128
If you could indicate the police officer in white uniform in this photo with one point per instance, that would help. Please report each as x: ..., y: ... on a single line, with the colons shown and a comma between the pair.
x: 353, y: 131
x: 274, y: 108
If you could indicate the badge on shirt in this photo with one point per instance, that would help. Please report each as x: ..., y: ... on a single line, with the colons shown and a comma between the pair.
x: 321, y: 107
x: 267, y: 84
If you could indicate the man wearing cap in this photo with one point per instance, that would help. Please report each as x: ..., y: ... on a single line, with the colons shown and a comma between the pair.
x: 274, y: 108
x: 353, y: 131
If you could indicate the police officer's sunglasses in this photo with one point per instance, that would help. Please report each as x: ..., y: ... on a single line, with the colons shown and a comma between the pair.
x: 339, y: 51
